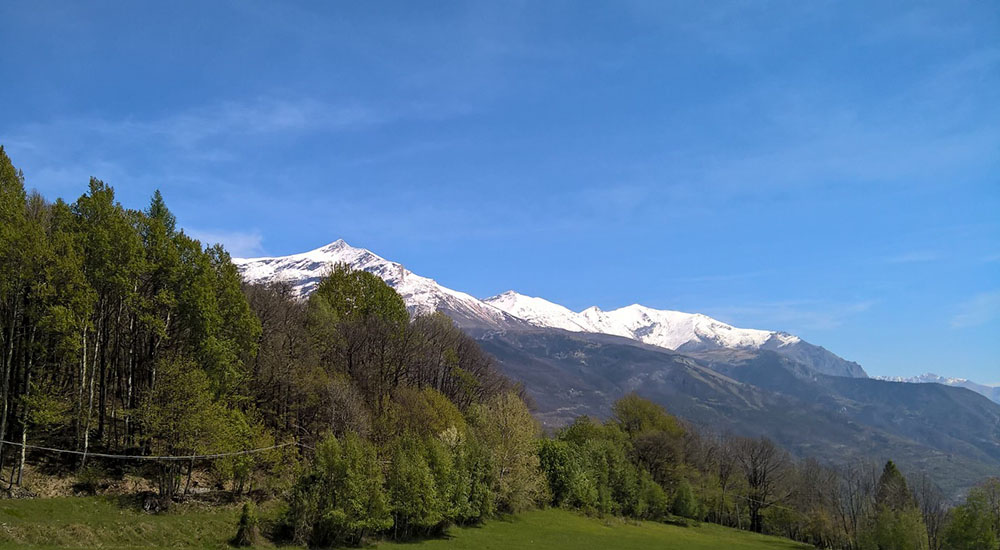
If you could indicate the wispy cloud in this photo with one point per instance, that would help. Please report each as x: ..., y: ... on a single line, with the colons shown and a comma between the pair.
x: 916, y: 256
x: 239, y: 244
x: 261, y: 116
x: 190, y: 128
x: 719, y: 278
x: 201, y: 149
x: 979, y: 310
x: 794, y: 315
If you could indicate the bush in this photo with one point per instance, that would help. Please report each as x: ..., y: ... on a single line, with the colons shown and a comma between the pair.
x: 91, y: 479
x: 685, y: 504
x: 247, y: 533
x: 653, y: 503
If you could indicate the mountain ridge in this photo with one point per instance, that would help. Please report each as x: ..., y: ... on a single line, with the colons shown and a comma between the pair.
x: 990, y: 392
x: 668, y: 329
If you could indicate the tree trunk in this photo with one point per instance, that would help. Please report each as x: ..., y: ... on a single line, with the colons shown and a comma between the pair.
x: 24, y: 410
x: 83, y: 384
x: 187, y: 484
x: 5, y: 391
x: 90, y: 402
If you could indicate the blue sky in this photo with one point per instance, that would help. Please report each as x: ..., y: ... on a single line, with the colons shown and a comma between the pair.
x: 827, y: 168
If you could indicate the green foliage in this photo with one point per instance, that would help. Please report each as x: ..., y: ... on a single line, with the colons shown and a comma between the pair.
x: 896, y: 530
x: 653, y: 503
x: 476, y: 480
x: 509, y: 431
x: 559, y: 467
x: 346, y: 294
x: 247, y: 531
x: 417, y: 507
x: 425, y: 412
x: 181, y: 417
x: 897, y: 523
x: 685, y: 504
x: 970, y: 525
x: 241, y: 431
x: 636, y: 416
x: 342, y: 499
x: 892, y: 489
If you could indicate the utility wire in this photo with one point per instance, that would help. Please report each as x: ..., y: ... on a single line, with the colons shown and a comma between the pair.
x: 147, y: 457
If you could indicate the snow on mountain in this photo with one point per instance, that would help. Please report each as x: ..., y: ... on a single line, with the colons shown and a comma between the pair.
x: 990, y: 392
x: 662, y: 328
x: 422, y: 295
x: 540, y: 312
x: 674, y: 330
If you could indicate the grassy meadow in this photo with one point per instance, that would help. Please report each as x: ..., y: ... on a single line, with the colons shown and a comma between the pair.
x: 61, y: 523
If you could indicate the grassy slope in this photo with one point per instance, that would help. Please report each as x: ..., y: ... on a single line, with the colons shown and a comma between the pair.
x: 559, y: 529
x: 91, y: 522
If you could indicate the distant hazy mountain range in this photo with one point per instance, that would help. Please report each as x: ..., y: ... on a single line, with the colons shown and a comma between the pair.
x: 672, y: 330
x: 728, y: 379
x: 992, y: 392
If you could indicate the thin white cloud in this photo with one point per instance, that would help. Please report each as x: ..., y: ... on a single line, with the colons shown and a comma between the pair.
x: 258, y: 117
x: 722, y: 277
x: 190, y: 127
x: 916, y: 256
x: 979, y: 310
x: 239, y: 244
x: 794, y: 316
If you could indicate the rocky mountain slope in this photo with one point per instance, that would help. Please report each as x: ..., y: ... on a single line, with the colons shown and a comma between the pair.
x: 951, y: 433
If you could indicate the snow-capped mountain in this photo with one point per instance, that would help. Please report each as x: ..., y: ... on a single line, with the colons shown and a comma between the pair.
x: 673, y: 330
x: 422, y: 295
x: 991, y: 392
x: 663, y: 328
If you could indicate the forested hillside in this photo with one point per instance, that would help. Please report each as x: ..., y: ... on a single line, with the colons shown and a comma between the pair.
x: 129, y: 348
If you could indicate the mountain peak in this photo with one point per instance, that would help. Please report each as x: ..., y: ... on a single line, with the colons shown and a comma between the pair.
x: 422, y: 295
x: 674, y: 330
x: 337, y: 245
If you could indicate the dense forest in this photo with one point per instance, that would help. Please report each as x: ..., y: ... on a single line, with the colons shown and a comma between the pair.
x: 121, y: 335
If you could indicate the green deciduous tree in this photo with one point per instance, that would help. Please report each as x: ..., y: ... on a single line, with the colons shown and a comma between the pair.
x: 342, y: 499
x: 509, y: 431
x: 181, y: 417
x: 418, y: 507
x: 970, y: 526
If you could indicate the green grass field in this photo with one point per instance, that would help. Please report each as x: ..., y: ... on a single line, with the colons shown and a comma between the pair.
x: 97, y: 522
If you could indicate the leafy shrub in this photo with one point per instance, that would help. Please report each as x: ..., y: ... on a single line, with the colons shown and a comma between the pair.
x: 247, y: 533
x: 685, y: 504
